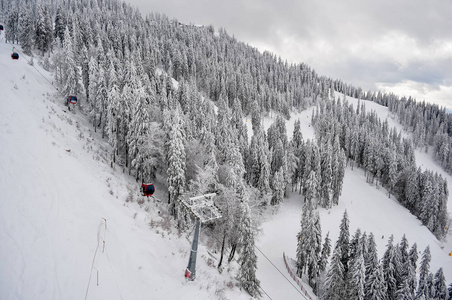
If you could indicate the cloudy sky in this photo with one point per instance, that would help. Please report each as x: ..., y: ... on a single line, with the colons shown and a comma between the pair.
x: 400, y: 46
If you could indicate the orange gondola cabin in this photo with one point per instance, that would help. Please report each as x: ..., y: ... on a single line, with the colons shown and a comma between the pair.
x: 147, y: 189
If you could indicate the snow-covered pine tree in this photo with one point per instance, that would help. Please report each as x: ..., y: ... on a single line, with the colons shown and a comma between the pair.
x: 424, y: 270
x: 263, y: 183
x: 355, y: 244
x: 326, y: 252
x: 311, y: 195
x: 412, y: 257
x: 307, y: 163
x: 376, y: 287
x: 175, y: 158
x: 313, y: 253
x: 234, y: 161
x: 278, y: 187
x: 371, y: 264
x: 248, y: 258
x: 59, y: 24
x: 389, y: 271
x: 316, y: 167
x: 392, y: 173
x: 336, y: 171
x: 25, y: 29
x: 343, y: 241
x: 12, y: 34
x: 297, y: 145
x: 139, y: 133
x: 43, y: 29
x: 326, y: 183
x: 430, y: 292
x: 403, y: 292
x: 113, y: 110
x: 357, y: 272
x: 439, y: 286
x: 70, y: 79
x: 334, y: 288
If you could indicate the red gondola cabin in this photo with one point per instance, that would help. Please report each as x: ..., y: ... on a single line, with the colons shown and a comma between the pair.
x: 15, y: 55
x: 147, y: 189
x: 71, y: 100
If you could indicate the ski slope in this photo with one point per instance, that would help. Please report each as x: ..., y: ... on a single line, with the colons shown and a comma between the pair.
x: 60, y: 200
x: 368, y: 208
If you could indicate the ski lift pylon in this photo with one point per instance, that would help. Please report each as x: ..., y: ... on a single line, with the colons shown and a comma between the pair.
x: 204, y: 210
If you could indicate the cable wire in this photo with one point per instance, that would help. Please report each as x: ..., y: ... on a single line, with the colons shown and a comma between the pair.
x: 291, y: 283
x: 29, y: 63
x: 214, y: 237
x: 296, y: 288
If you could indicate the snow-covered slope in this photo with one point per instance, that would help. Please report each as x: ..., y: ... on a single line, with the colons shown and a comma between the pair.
x: 368, y: 208
x: 60, y: 200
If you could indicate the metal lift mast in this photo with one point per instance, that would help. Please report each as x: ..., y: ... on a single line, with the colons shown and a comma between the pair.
x: 204, y: 210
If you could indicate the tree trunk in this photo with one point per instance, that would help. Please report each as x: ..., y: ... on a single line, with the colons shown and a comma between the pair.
x: 222, y: 249
x: 231, y: 255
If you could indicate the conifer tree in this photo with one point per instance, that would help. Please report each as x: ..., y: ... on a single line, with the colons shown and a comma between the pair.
x: 334, y: 282
x: 113, y: 116
x: 60, y: 25
x: 389, y: 270
x: 311, y: 188
x: 70, y: 78
x: 278, y: 187
x: 376, y: 288
x: 439, y: 286
x: 356, y: 275
x: 25, y: 30
x: 326, y: 251
x: 44, y: 29
x: 430, y: 292
x: 248, y: 259
x: 343, y: 241
x: 12, y: 34
x: 424, y: 270
x: 326, y: 184
x: 175, y: 158
x: 412, y: 278
x: 403, y: 292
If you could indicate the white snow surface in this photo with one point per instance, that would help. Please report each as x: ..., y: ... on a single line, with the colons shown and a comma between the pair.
x: 368, y: 208
x: 60, y: 200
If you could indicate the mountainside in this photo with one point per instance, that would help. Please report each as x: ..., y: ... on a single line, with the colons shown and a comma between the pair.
x: 195, y: 111
x: 60, y: 200
x: 57, y: 188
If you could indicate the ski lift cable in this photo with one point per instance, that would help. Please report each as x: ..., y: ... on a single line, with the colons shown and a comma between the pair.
x: 291, y: 283
x: 114, y: 275
x: 39, y: 71
x: 296, y: 288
